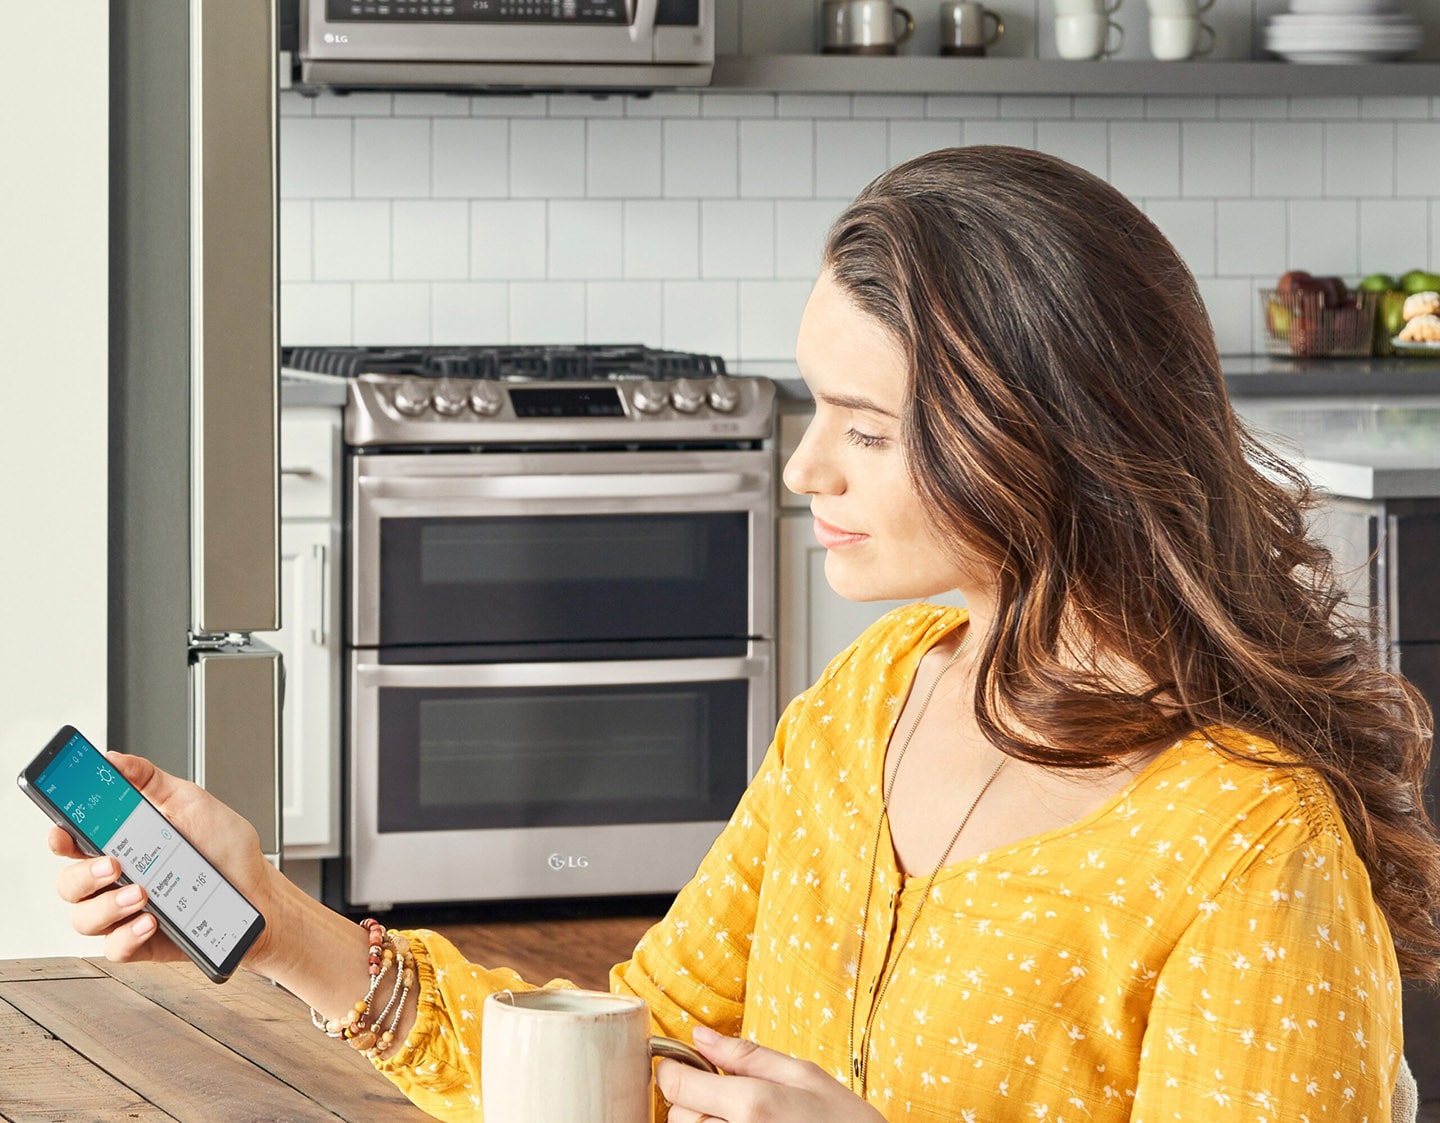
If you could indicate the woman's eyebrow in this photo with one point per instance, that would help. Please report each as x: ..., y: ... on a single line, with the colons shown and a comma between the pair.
x: 850, y: 401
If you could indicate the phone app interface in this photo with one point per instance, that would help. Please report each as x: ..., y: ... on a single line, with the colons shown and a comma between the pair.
x: 111, y: 813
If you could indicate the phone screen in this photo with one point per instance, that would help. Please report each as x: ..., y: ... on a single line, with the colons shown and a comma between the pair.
x: 182, y: 886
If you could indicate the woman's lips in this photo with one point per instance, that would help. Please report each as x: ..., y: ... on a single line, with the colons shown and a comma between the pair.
x: 832, y: 537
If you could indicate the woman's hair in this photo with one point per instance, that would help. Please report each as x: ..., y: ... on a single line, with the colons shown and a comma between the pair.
x: 1154, y: 573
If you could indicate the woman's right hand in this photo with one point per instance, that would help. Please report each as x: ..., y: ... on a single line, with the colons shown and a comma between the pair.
x: 103, y: 908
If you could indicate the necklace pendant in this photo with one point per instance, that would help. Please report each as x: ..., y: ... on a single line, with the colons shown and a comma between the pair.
x: 859, y: 1069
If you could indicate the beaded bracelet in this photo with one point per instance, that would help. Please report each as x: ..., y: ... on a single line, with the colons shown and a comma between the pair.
x: 359, y: 1030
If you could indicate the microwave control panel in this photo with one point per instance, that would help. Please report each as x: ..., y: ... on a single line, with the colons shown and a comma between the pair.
x: 588, y: 13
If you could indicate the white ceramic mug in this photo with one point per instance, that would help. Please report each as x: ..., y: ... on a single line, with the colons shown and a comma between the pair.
x: 863, y: 27
x: 570, y: 1056
x: 963, y: 30
x: 1086, y: 7
x: 1088, y: 36
x: 1178, y: 9
x: 1174, y: 38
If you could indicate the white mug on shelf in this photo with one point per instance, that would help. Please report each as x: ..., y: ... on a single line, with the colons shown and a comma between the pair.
x: 1086, y: 7
x: 1175, y: 38
x: 1087, y: 36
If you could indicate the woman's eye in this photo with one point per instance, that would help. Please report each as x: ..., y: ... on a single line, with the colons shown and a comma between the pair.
x: 864, y: 440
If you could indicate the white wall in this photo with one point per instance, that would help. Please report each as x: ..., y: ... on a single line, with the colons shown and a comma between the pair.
x: 53, y: 216
x: 694, y: 220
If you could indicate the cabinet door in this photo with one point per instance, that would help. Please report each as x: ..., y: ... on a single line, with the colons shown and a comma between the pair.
x: 310, y: 647
x: 816, y: 623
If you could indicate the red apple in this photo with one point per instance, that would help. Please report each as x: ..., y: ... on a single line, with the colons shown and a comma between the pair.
x: 1290, y: 281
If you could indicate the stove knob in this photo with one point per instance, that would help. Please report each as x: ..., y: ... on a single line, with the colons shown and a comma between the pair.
x: 724, y: 394
x: 485, y: 399
x: 688, y: 396
x: 651, y: 396
x: 412, y: 397
x: 450, y: 397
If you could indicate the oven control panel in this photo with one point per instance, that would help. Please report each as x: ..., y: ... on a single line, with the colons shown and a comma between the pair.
x: 414, y: 410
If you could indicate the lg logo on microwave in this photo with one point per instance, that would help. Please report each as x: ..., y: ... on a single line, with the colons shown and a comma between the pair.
x: 567, y: 862
x: 331, y: 37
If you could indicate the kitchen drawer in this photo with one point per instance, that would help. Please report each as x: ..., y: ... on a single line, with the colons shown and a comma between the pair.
x: 309, y: 463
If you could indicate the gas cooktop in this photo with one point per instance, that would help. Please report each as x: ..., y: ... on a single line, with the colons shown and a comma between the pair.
x: 508, y: 363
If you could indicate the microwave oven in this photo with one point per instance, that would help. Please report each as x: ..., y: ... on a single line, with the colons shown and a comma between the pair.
x: 499, y: 44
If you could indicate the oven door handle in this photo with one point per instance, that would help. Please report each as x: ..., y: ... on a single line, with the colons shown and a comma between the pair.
x: 600, y: 673
x: 577, y: 486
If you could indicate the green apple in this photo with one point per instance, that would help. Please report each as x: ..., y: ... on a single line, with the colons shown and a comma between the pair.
x: 1392, y: 316
x: 1420, y: 280
x: 1378, y: 282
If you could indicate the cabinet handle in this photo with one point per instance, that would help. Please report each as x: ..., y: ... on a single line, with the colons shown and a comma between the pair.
x: 318, y: 634
x: 302, y: 472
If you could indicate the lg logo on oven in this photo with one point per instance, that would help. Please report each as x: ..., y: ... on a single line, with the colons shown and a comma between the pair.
x: 567, y: 862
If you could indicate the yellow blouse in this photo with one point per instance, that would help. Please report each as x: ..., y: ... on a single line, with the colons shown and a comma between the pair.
x: 1203, y: 946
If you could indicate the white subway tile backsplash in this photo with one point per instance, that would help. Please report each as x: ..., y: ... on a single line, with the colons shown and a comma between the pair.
x: 1392, y: 231
x: 317, y: 163
x: 1289, y: 158
x: 1215, y: 159
x: 701, y: 159
x: 1231, y: 304
x: 1417, y: 158
x: 509, y: 105
x: 624, y: 312
x: 737, y: 105
x: 315, y: 314
x: 962, y: 106
x: 1109, y: 108
x: 431, y: 105
x: 777, y: 159
x: 915, y: 138
x: 468, y: 312
x: 432, y: 240
x: 470, y: 158
x: 1395, y: 108
x: 1324, y: 236
x: 1324, y: 108
x: 1360, y: 159
x: 351, y: 239
x: 622, y: 159
x: 547, y: 159
x: 1036, y: 107
x: 507, y: 239
x: 1020, y: 134
x: 1086, y: 144
x: 293, y: 227
x: 547, y: 312
x: 1250, y: 237
x: 392, y: 158
x: 800, y: 229
x: 849, y: 154
x: 737, y: 238
x: 770, y: 317
x: 1252, y: 108
x: 888, y: 105
x: 392, y: 313
x: 662, y: 239
x: 353, y: 105
x: 587, y: 105
x: 291, y: 104
x: 1180, y: 108
x: 678, y: 104
x: 1433, y: 260
x: 701, y: 316
x: 585, y: 239
x: 813, y: 105
x: 1145, y: 158
x: 1190, y: 226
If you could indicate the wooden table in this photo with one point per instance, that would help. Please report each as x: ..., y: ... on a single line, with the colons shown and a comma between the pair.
x: 84, y: 1039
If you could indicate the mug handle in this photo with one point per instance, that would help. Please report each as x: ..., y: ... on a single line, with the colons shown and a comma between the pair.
x: 679, y: 1051
x: 1110, y: 9
x: 1205, y: 29
x: 994, y: 36
x: 909, y: 25
x: 1106, y: 51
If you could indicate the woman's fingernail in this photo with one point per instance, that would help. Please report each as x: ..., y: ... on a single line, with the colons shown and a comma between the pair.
x: 101, y: 868
x: 144, y: 925
x: 128, y: 896
x: 705, y: 1034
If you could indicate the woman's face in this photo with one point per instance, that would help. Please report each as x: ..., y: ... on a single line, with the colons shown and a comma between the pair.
x: 880, y: 540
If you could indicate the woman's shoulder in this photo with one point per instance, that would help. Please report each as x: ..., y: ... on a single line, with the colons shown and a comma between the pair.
x: 886, y: 645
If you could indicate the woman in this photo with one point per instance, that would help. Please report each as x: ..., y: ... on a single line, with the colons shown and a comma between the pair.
x: 1137, y: 836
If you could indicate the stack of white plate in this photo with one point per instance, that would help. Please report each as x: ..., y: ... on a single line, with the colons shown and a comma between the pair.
x: 1343, y: 31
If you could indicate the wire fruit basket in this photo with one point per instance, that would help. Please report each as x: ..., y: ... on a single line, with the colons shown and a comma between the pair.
x: 1301, y: 324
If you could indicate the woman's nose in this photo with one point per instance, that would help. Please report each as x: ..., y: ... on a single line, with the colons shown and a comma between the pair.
x: 806, y: 472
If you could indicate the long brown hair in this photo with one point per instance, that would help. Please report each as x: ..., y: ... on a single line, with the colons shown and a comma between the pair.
x: 1069, y: 425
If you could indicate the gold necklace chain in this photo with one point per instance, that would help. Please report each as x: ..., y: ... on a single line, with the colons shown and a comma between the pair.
x: 859, y: 1058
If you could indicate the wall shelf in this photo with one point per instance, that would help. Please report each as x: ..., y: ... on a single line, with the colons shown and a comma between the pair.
x: 903, y: 74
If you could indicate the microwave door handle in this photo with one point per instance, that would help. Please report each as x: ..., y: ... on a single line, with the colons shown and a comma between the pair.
x: 642, y: 23
x: 542, y: 487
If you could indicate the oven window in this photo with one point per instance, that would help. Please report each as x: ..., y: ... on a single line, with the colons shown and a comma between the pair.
x: 465, y: 759
x: 563, y: 578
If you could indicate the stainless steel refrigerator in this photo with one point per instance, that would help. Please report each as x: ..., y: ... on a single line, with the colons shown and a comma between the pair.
x: 194, y: 526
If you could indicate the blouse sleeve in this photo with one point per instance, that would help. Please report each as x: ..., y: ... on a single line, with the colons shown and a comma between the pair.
x: 1281, y: 1001
x: 689, y: 967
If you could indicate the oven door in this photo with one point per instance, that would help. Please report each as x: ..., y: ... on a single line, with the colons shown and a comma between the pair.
x: 521, y: 549
x: 495, y: 781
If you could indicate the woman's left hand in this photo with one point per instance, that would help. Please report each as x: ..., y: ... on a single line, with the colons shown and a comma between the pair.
x: 759, y: 1086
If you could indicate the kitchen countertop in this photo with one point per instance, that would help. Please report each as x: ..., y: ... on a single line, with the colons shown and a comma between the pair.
x: 302, y: 388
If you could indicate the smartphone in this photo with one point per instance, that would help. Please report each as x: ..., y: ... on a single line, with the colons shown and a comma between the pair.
x: 205, y: 916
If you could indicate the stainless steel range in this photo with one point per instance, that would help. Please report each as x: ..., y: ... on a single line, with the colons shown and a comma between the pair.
x: 561, y: 624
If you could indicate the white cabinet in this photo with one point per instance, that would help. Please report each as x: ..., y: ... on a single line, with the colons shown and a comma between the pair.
x: 308, y: 638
